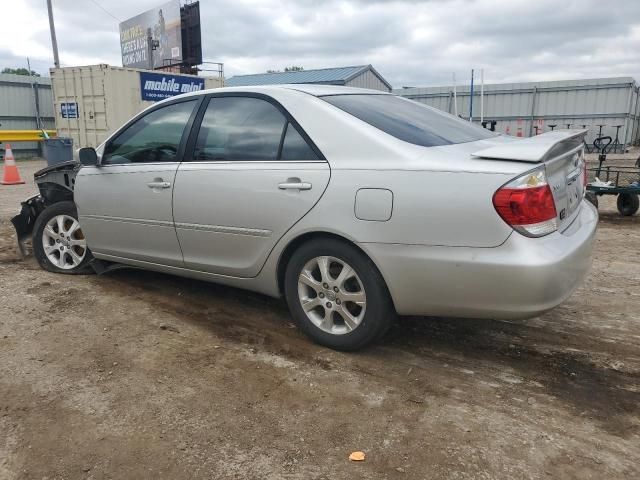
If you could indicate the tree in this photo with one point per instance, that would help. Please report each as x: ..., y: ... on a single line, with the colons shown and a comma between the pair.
x: 292, y: 68
x: 20, y: 71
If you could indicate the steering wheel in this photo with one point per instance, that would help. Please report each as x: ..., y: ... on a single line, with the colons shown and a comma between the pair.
x: 162, y: 150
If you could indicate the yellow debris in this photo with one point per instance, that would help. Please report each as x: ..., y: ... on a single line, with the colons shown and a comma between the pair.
x: 357, y: 457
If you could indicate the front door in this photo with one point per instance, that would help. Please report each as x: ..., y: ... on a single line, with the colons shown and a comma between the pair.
x: 251, y: 176
x: 124, y: 204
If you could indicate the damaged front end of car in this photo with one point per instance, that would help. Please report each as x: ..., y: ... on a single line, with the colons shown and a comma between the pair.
x: 56, y: 184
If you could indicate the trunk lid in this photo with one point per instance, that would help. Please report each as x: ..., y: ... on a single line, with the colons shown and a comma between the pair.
x: 562, y: 153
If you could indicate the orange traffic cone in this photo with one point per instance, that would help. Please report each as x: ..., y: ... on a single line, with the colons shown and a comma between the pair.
x: 10, y: 173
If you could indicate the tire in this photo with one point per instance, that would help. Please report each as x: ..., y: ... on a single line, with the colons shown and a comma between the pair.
x: 628, y: 204
x: 61, y: 251
x: 592, y: 197
x: 358, y: 313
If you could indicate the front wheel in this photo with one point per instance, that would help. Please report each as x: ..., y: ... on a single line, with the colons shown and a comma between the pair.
x: 337, y: 295
x: 58, y: 242
x: 628, y: 204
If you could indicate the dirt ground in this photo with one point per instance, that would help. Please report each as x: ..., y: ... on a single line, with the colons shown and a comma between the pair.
x: 141, y: 375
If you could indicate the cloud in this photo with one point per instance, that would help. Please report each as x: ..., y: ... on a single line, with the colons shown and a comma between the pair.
x: 409, y: 42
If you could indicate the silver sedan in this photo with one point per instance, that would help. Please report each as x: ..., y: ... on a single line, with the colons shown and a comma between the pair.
x: 354, y: 204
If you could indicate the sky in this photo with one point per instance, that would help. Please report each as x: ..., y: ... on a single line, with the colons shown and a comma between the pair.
x: 411, y: 43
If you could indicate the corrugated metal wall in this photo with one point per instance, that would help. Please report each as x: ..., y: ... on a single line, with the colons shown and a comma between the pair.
x: 18, y: 107
x: 519, y: 108
x: 368, y: 79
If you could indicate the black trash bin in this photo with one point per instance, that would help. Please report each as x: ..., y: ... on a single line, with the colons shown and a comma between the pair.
x: 57, y: 150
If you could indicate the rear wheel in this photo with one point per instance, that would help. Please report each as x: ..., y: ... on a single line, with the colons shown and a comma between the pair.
x: 337, y: 295
x: 58, y: 241
x: 628, y: 204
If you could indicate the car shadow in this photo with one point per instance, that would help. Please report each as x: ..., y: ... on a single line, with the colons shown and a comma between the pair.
x: 612, y: 217
x: 539, y: 353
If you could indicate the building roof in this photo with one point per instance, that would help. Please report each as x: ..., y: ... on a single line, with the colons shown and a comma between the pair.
x: 12, y: 78
x: 336, y: 76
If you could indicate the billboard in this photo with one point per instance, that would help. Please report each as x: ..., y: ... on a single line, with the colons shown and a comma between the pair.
x: 191, y: 37
x: 158, y: 86
x: 163, y: 23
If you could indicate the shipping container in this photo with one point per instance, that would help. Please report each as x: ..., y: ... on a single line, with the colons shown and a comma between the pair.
x: 610, y: 106
x: 91, y: 102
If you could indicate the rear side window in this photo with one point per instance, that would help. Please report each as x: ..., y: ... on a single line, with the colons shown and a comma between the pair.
x: 407, y: 120
x: 295, y: 147
x: 239, y: 128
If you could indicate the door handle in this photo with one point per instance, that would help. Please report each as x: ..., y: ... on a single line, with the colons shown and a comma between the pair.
x: 294, y: 186
x: 158, y: 184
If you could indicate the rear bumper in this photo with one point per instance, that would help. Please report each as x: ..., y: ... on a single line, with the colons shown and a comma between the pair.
x: 521, y: 278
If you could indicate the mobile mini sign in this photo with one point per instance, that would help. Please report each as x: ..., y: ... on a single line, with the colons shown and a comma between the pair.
x: 158, y: 86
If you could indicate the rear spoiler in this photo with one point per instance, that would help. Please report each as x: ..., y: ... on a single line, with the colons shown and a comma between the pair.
x: 536, y: 149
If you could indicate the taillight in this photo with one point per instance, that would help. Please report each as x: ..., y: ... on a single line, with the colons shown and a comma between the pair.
x: 526, y: 203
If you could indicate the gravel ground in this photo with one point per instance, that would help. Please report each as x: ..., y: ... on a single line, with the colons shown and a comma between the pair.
x: 142, y: 375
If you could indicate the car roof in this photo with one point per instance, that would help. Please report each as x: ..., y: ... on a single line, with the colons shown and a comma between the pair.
x: 319, y: 90
x: 311, y: 89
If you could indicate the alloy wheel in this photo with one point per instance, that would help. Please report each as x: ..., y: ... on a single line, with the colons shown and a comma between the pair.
x: 63, y: 242
x: 332, y: 295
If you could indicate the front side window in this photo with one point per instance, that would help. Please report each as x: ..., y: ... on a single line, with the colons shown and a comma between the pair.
x: 239, y: 128
x: 407, y: 120
x: 152, y: 138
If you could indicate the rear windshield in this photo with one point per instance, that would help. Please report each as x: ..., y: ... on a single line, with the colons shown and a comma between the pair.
x: 407, y: 120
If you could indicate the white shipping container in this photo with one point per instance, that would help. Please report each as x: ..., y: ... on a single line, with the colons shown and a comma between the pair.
x: 91, y: 102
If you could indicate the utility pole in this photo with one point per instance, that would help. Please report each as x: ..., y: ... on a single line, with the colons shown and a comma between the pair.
x: 471, y: 99
x: 36, y: 99
x: 455, y: 96
x: 481, y: 95
x: 54, y: 42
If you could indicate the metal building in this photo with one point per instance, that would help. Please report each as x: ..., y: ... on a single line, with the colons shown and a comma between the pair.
x: 362, y: 76
x: 521, y: 109
x: 22, y: 100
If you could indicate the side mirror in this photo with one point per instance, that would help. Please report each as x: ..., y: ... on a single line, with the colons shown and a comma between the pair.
x: 88, y: 156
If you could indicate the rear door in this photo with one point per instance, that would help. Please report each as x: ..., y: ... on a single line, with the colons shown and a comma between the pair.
x: 251, y: 174
x: 124, y: 204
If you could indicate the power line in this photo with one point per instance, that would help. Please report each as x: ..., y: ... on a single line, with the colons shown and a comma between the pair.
x: 106, y: 11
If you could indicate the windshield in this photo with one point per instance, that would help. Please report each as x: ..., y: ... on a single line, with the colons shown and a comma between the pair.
x: 408, y: 120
